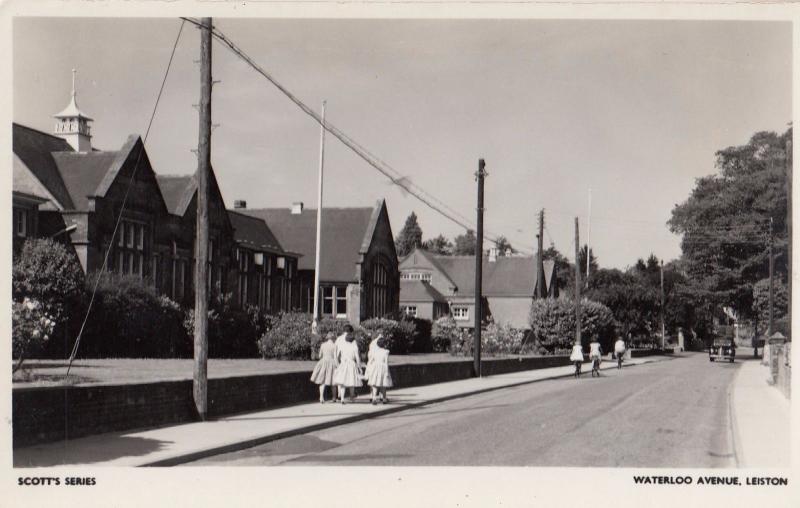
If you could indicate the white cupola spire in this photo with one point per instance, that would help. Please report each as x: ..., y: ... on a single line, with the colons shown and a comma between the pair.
x: 73, y: 126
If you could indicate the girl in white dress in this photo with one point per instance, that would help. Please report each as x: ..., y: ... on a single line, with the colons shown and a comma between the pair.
x: 379, y: 378
x: 326, y: 366
x: 372, y: 346
x: 348, y: 373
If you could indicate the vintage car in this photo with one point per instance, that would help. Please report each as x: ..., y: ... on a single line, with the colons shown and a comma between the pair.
x: 722, y: 349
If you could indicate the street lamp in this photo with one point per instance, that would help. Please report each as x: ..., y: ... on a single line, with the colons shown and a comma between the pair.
x: 68, y: 229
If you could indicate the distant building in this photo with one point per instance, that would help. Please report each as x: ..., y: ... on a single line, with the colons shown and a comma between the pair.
x: 63, y: 186
x: 432, y: 283
x: 359, y: 277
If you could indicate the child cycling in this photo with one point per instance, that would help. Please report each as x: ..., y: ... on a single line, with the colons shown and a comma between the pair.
x: 595, y: 352
x: 576, y: 357
x: 619, y: 351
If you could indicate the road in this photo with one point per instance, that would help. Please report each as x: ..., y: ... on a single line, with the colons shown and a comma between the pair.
x: 668, y: 414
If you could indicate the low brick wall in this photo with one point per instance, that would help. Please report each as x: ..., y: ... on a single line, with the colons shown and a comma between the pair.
x: 46, y: 414
x: 639, y: 353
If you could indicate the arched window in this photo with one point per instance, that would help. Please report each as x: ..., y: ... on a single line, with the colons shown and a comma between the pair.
x: 382, y: 290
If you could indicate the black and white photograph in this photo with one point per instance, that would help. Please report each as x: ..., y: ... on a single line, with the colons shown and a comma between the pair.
x: 344, y: 248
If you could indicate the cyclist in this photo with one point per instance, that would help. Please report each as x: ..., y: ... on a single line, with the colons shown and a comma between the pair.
x: 576, y: 357
x: 595, y: 352
x: 619, y: 350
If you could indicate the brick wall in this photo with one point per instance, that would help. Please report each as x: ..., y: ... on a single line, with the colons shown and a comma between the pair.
x: 46, y: 414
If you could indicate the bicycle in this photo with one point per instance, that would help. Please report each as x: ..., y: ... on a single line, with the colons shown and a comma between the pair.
x: 596, y: 366
x: 620, y: 357
x: 577, y: 369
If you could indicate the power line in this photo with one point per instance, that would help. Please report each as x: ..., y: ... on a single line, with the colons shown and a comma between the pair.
x: 393, y: 175
x: 124, y: 203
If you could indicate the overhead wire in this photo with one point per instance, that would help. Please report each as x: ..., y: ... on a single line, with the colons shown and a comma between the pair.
x: 124, y: 203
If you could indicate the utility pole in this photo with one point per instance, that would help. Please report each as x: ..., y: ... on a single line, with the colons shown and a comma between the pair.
x: 577, y: 287
x: 200, y: 378
x: 788, y: 160
x: 541, y: 290
x: 588, y: 239
x: 663, y: 326
x: 319, y: 220
x: 771, y: 280
x: 480, y: 176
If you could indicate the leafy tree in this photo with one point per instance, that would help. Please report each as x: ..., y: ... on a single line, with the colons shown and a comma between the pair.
x: 465, y: 244
x: 439, y: 245
x: 565, y: 271
x: 582, y: 260
x: 502, y: 245
x: 780, y: 304
x: 409, y: 237
x: 725, y: 222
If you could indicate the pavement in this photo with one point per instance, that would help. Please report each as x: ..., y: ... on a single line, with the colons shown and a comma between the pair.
x: 177, y: 444
x: 760, y: 417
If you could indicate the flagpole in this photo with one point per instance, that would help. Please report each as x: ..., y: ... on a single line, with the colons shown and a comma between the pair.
x: 588, y: 238
x: 319, y: 218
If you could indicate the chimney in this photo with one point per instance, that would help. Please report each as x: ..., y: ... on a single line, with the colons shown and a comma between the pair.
x: 297, y: 208
x: 493, y: 254
x: 239, y: 204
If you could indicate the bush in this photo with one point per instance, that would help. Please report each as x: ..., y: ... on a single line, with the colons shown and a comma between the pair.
x: 129, y: 319
x: 444, y: 332
x: 233, y: 332
x: 422, y: 340
x: 553, y: 324
x: 290, y: 337
x: 496, y: 340
x: 31, y: 329
x: 400, y: 335
x: 49, y: 273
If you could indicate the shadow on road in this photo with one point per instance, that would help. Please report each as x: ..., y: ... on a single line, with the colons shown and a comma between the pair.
x: 112, y: 448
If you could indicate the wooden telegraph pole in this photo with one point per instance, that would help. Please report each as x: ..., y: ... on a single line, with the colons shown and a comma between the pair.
x: 541, y: 289
x: 663, y: 325
x: 771, y: 281
x: 480, y: 175
x: 577, y: 286
x: 200, y: 379
x: 319, y: 219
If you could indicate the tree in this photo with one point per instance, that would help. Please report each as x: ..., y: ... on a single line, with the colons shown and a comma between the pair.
x: 465, y: 244
x: 503, y: 245
x: 582, y: 260
x: 409, y: 237
x: 565, y: 271
x: 439, y: 245
x: 725, y: 221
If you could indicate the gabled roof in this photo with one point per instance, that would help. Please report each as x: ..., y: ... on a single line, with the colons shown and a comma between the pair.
x: 420, y: 291
x: 83, y: 173
x: 432, y: 259
x: 507, y: 276
x: 35, y: 148
x: 254, y: 233
x: 177, y: 190
x: 344, y: 233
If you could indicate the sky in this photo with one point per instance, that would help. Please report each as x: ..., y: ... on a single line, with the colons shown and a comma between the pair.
x: 631, y: 112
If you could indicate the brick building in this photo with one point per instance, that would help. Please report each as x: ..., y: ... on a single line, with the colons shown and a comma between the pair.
x: 359, y: 277
x: 64, y: 186
x: 433, y: 285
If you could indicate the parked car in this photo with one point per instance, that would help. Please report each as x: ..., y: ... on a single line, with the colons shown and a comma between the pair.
x: 722, y: 349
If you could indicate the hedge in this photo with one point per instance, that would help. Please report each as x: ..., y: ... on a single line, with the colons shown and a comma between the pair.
x: 553, y: 324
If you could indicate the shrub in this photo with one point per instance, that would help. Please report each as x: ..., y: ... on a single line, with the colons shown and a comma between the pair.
x: 553, y: 324
x: 233, y: 332
x: 31, y: 329
x: 497, y: 339
x: 399, y: 335
x: 444, y: 332
x: 130, y: 319
x: 422, y: 340
x: 290, y: 337
x: 49, y: 273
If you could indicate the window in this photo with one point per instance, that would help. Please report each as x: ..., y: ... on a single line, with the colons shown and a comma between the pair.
x: 461, y: 313
x: 21, y: 222
x: 334, y: 301
x: 244, y: 269
x: 381, y: 293
x: 131, y: 248
x: 425, y: 277
x: 409, y: 310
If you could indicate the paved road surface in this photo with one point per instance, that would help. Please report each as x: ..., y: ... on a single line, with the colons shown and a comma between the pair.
x: 667, y: 414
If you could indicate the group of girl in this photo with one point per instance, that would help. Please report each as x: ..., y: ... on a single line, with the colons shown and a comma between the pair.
x: 339, y: 366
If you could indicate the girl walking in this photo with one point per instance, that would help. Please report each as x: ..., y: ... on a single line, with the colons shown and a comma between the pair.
x: 348, y: 372
x: 325, y: 367
x: 379, y: 378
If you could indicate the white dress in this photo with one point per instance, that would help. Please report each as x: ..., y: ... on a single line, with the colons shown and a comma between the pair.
x: 577, y: 353
x: 379, y: 376
x: 348, y: 373
x: 370, y: 357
